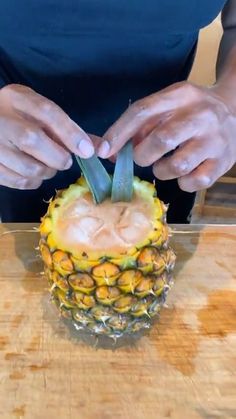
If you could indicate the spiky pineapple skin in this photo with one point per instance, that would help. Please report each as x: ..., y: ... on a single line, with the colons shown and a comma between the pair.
x: 113, y: 294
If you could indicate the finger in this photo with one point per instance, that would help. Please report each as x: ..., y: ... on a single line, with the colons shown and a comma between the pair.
x: 12, y: 180
x: 24, y: 165
x: 185, y: 159
x: 97, y: 142
x: 167, y: 137
x: 33, y: 141
x: 141, y: 112
x: 203, y: 177
x: 28, y: 103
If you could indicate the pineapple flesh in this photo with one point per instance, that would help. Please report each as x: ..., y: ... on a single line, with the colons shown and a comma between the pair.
x: 109, y: 266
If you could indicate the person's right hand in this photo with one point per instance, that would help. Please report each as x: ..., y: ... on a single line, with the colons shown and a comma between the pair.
x: 36, y: 138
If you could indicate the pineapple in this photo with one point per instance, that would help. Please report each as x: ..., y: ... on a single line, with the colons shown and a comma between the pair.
x: 108, y: 265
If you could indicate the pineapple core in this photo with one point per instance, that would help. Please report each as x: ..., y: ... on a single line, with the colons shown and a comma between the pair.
x: 85, y: 225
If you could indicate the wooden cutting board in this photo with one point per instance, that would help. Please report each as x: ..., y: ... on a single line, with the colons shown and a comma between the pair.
x: 185, y: 367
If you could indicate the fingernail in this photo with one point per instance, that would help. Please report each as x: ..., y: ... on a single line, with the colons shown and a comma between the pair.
x: 69, y: 163
x: 104, y: 149
x: 85, y: 148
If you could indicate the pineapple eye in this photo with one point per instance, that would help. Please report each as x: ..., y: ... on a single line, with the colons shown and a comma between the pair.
x: 84, y: 302
x: 82, y: 282
x: 107, y: 295
x: 124, y: 304
x: 62, y: 261
x: 128, y: 280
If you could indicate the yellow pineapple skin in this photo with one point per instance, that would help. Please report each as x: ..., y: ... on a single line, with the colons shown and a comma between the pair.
x: 114, y: 293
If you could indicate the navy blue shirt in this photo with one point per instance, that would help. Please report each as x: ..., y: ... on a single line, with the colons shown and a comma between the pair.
x: 94, y: 56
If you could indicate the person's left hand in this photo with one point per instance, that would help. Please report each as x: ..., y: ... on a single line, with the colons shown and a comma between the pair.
x: 196, y: 122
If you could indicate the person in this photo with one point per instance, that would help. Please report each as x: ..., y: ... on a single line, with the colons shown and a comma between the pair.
x: 82, y: 77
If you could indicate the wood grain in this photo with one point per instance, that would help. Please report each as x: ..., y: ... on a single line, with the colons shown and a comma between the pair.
x: 184, y: 367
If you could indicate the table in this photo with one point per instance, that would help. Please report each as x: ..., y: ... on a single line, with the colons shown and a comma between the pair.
x: 184, y: 367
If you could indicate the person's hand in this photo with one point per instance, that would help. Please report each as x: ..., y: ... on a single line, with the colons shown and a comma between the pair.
x: 36, y: 138
x: 196, y: 122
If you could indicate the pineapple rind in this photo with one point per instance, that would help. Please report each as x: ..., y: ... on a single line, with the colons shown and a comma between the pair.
x: 113, y: 294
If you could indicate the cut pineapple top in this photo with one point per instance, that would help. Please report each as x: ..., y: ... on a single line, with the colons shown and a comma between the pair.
x: 83, y: 224
x: 76, y: 225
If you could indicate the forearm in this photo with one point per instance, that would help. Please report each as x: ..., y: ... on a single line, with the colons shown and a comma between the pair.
x: 226, y: 56
x: 226, y: 62
x: 226, y: 69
